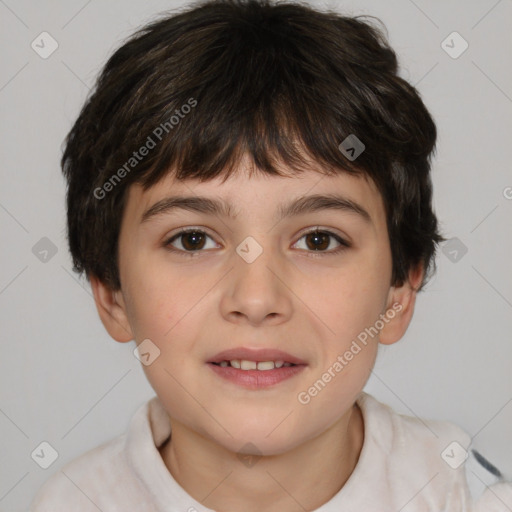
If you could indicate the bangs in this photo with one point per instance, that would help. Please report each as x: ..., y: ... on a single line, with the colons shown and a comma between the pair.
x: 263, y: 128
x: 256, y: 94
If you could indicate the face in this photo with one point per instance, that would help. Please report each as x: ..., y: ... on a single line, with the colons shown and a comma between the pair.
x: 307, y: 284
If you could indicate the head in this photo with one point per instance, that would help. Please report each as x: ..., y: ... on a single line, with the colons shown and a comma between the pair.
x: 227, y: 118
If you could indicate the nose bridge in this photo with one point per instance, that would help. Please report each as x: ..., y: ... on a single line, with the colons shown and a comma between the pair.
x: 253, y: 261
x: 256, y: 287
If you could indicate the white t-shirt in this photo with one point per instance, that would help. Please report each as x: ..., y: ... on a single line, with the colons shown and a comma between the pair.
x: 405, y: 465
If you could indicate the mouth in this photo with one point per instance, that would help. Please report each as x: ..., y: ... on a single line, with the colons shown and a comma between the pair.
x: 244, y: 358
x: 255, y: 369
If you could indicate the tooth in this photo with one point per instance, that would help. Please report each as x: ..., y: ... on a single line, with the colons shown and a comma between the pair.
x: 266, y: 365
x: 244, y: 364
x: 248, y: 365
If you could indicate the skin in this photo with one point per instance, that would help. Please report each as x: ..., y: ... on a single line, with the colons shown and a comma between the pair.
x: 191, y: 308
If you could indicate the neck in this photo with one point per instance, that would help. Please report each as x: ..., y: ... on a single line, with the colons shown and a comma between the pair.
x: 306, y: 477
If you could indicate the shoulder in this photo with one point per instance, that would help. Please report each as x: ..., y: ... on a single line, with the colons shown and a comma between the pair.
x: 82, y: 480
x: 398, y: 433
x: 425, y: 456
x: 436, y: 457
x: 100, y: 479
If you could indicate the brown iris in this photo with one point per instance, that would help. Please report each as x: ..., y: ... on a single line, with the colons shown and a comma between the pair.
x: 196, y: 239
x: 320, y: 240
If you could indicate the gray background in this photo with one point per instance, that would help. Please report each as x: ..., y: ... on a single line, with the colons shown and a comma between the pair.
x: 64, y: 381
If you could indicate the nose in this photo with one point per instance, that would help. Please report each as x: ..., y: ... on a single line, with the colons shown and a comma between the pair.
x: 258, y: 291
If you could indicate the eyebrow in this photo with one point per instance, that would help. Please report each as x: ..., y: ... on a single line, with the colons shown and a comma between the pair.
x: 219, y: 207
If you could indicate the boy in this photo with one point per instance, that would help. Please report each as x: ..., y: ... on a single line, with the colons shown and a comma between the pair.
x: 249, y: 194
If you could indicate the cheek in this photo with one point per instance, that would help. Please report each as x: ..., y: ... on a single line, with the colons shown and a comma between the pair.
x: 348, y: 300
x: 160, y: 299
x: 150, y: 311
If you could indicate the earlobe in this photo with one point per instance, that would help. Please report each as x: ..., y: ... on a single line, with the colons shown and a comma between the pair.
x: 112, y: 310
x: 400, y: 308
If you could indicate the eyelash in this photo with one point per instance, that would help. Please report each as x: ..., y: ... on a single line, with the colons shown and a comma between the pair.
x: 312, y: 254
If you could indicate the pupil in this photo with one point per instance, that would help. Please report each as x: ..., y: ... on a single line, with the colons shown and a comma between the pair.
x: 318, y: 237
x: 196, y: 239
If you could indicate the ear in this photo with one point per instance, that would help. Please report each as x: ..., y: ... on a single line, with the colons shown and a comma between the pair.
x: 401, y: 301
x: 112, y: 310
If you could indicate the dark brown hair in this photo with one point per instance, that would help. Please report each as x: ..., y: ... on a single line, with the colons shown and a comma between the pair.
x: 279, y: 81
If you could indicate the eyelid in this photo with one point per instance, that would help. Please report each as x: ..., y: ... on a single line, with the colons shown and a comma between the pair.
x: 305, y: 231
x: 188, y: 229
x: 323, y: 229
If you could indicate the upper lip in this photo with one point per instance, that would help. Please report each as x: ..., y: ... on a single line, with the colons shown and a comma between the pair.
x: 255, y: 354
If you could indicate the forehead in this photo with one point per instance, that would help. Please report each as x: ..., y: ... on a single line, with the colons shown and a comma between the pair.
x: 256, y: 193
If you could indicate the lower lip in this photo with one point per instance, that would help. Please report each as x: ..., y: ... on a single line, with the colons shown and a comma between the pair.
x: 257, y: 379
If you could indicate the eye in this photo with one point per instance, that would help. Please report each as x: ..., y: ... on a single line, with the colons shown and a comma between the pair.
x: 191, y: 240
x: 320, y: 240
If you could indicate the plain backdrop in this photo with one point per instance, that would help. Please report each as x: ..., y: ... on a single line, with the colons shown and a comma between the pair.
x: 63, y: 380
